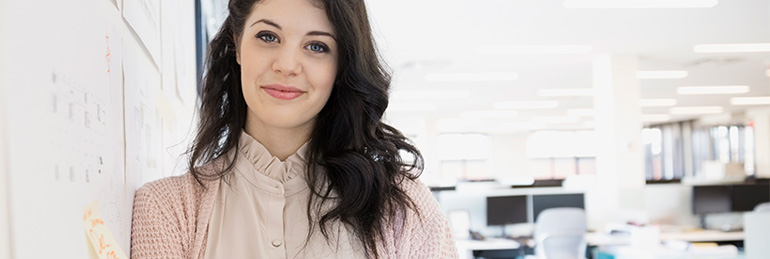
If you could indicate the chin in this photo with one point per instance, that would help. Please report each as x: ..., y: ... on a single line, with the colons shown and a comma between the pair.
x: 284, y: 121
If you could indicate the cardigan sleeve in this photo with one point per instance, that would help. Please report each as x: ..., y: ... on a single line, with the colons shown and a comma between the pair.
x: 153, y: 232
x: 428, y: 233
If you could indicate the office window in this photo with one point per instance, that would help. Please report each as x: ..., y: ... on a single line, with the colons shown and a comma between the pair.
x: 663, y: 147
x: 563, y: 167
x: 674, y: 150
x: 464, y: 156
x: 727, y: 144
x: 558, y: 154
x: 464, y: 170
x: 652, y: 143
x: 560, y: 168
x: 541, y: 169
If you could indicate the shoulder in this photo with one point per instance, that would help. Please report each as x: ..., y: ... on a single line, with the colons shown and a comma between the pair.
x: 425, y: 232
x: 170, y: 216
x: 175, y: 188
x: 421, y: 195
x: 177, y: 194
x: 168, y: 197
x: 169, y: 186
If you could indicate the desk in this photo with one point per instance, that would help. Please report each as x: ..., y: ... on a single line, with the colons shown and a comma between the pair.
x: 466, y: 247
x: 662, y: 252
x: 703, y: 236
x: 619, y: 247
x: 603, y: 239
x: 611, y: 244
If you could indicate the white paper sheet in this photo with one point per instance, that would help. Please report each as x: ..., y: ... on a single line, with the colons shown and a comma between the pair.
x: 144, y: 18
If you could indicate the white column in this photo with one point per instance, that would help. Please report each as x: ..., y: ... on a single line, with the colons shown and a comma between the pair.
x: 619, y: 170
x: 5, y: 221
x: 761, y: 119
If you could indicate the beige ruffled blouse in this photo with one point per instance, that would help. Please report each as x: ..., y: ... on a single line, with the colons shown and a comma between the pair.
x: 262, y: 213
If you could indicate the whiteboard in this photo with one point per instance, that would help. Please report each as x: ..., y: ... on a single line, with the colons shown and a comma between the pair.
x: 89, y: 111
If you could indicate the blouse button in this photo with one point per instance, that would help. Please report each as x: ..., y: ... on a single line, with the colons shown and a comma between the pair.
x: 276, y: 243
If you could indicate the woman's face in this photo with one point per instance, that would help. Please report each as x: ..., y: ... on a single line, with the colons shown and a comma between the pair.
x: 288, y: 56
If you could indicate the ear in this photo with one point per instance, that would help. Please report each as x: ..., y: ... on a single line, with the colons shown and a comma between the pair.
x: 237, y: 49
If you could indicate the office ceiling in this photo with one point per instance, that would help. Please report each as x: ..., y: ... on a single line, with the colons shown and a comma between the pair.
x: 420, y: 38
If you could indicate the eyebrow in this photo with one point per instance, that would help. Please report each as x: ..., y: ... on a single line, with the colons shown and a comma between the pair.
x: 312, y: 33
x: 321, y: 33
x: 268, y: 22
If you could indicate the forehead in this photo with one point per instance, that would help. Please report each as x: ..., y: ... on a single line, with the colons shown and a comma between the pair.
x: 303, y: 15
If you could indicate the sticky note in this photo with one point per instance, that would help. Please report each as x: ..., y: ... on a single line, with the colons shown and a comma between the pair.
x: 102, y: 240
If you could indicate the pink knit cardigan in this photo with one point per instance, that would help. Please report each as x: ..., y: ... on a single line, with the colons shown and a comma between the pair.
x: 171, y: 217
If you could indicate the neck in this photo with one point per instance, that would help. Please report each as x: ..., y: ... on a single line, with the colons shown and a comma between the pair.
x: 280, y: 142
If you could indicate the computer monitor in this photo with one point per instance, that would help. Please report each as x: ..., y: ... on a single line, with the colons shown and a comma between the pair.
x: 711, y: 199
x: 747, y: 196
x: 504, y: 210
x: 547, y: 201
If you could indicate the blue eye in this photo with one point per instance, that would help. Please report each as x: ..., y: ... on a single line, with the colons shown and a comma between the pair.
x: 318, y: 47
x: 267, y: 37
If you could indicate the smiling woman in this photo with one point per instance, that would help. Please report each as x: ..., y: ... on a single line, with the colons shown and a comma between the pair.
x: 288, y: 58
x: 291, y: 157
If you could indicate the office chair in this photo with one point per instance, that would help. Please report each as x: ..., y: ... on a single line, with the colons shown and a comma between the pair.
x: 560, y: 234
x: 762, y: 207
x: 756, y: 229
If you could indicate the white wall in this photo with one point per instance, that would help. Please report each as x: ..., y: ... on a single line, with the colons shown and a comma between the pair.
x: 5, y: 232
x: 509, y: 156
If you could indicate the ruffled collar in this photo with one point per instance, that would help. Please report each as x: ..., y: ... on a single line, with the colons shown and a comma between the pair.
x: 267, y: 164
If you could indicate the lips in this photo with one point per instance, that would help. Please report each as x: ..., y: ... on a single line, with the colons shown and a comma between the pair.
x: 283, y: 92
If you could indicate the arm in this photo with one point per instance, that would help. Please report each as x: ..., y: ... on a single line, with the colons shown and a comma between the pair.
x: 430, y: 233
x: 153, y: 233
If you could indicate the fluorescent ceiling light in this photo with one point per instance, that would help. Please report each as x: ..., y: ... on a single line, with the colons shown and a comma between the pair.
x: 470, y: 77
x: 555, y: 119
x: 462, y: 125
x: 694, y: 110
x: 412, y: 107
x: 663, y: 102
x: 581, y: 112
x: 489, y: 114
x: 595, y: 4
x: 732, y: 48
x: 661, y: 74
x: 727, y: 89
x: 533, y: 49
x: 758, y: 100
x: 523, y: 125
x: 527, y: 105
x: 650, y: 118
x: 559, y: 92
x: 430, y: 94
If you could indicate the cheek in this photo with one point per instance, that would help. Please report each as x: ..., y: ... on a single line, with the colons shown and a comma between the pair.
x: 251, y: 66
x: 324, y: 79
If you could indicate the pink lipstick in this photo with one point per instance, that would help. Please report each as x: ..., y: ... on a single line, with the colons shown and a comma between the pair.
x: 282, y: 92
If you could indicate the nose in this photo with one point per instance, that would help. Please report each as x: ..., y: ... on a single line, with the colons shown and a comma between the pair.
x: 288, y: 62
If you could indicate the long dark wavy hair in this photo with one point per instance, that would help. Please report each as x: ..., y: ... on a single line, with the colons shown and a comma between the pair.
x: 353, y: 156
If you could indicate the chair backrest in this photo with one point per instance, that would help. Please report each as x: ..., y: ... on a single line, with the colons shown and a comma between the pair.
x: 762, y: 207
x: 560, y: 233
